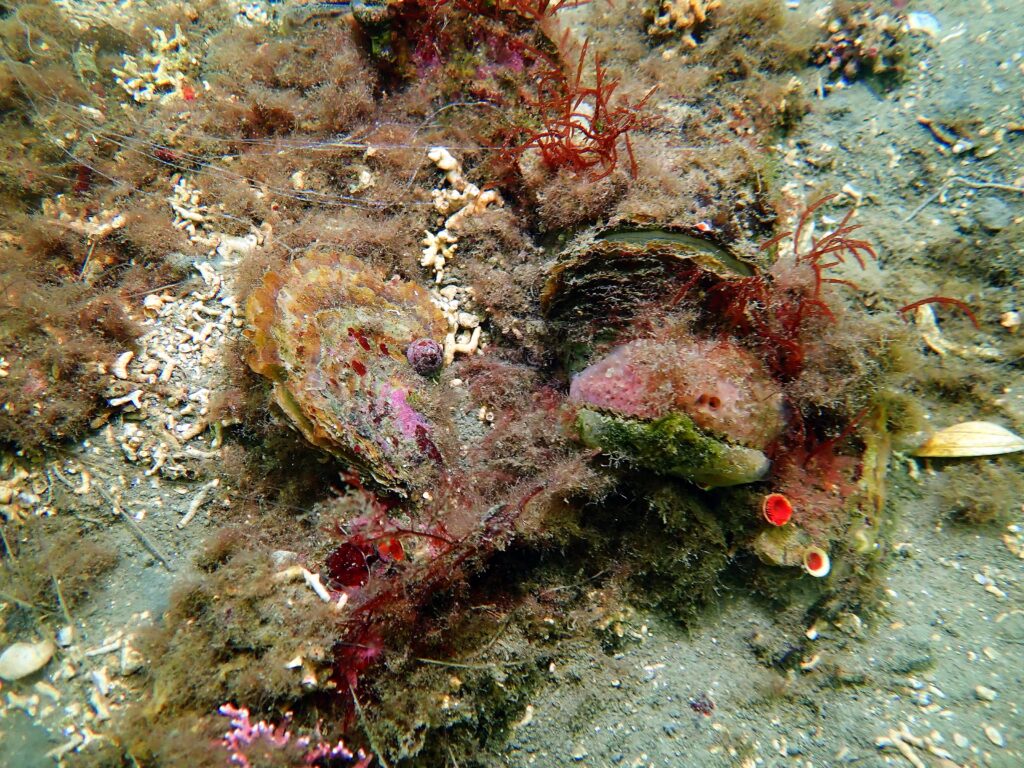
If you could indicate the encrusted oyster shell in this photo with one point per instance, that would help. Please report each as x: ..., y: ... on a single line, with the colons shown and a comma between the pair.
x: 681, y: 405
x: 724, y: 389
x: 331, y: 334
x: 609, y: 276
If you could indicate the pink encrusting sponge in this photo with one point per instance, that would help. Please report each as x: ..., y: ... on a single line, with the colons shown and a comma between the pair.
x: 722, y: 387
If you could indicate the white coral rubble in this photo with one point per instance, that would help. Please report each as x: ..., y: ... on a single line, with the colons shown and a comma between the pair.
x: 160, y: 73
x: 458, y: 200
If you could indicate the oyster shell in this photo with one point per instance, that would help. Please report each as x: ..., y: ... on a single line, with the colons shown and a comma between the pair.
x: 672, y: 445
x: 331, y: 334
x: 671, y: 401
x: 606, y: 278
x: 724, y: 389
x: 680, y: 405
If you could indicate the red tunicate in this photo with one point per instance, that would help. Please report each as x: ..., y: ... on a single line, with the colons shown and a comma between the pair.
x: 776, y: 509
x: 346, y: 567
x: 358, y: 367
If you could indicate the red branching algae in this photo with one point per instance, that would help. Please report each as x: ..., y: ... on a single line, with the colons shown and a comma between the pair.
x: 780, y: 309
x: 582, y: 125
x: 943, y: 300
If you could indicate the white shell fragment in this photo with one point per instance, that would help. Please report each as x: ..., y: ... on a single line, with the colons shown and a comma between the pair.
x: 971, y: 438
x: 22, y: 659
x: 993, y: 734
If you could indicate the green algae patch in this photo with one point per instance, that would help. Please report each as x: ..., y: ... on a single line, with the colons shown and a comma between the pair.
x: 672, y: 445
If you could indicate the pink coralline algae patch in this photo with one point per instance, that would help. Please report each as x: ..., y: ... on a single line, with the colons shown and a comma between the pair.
x: 392, y: 404
x: 251, y: 745
x: 722, y: 387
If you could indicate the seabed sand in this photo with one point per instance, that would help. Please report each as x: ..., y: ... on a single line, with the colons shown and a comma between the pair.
x: 928, y: 675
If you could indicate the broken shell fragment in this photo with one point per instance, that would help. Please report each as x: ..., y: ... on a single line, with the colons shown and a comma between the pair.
x: 816, y: 562
x: 22, y: 659
x: 971, y: 438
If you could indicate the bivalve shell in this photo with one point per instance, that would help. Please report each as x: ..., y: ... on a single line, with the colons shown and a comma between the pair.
x: 971, y: 438
x: 608, y: 277
x: 22, y: 659
x: 332, y: 335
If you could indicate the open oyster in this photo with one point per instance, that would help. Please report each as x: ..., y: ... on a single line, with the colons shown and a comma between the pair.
x: 670, y: 401
x: 609, y: 277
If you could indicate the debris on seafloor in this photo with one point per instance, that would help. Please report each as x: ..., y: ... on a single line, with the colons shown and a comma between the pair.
x: 862, y: 42
x: 458, y: 201
x: 678, y: 17
x: 935, y: 340
x: 911, y: 747
x: 922, y: 22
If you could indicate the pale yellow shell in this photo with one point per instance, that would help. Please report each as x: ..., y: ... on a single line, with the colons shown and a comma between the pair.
x: 971, y: 438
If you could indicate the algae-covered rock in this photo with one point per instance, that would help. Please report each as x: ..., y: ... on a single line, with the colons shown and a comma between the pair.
x: 672, y: 445
x: 681, y: 548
